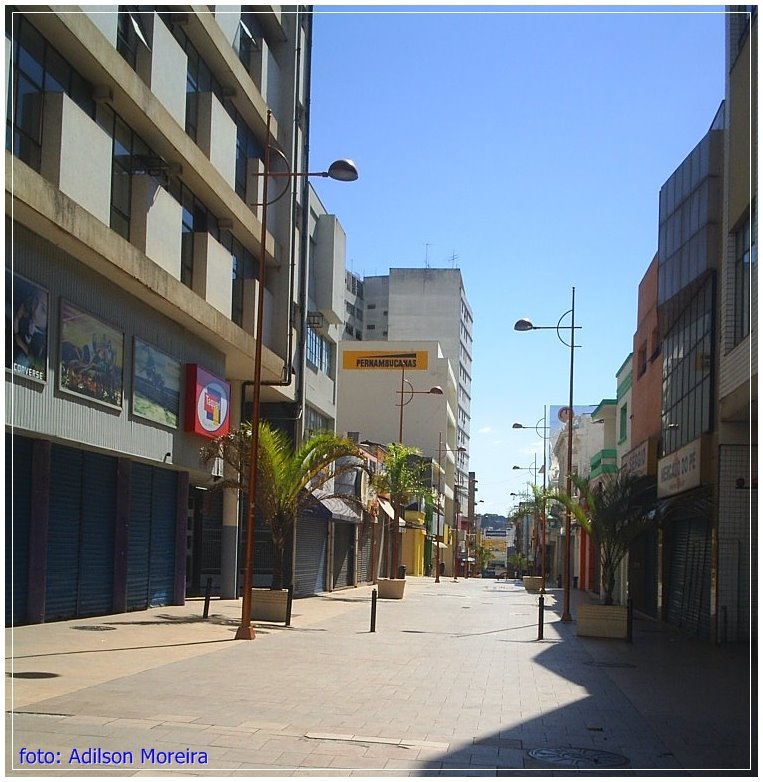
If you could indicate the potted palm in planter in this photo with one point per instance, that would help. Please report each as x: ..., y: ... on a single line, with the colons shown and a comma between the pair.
x: 613, y: 511
x: 534, y: 505
x: 400, y: 479
x: 287, y: 478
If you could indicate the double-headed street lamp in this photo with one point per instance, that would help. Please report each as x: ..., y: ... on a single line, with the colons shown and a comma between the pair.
x: 543, y: 433
x: 526, y: 325
x: 406, y: 390
x: 342, y: 171
x: 441, y: 450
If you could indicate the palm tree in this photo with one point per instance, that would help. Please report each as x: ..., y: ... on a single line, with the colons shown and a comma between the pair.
x: 287, y: 478
x: 401, y: 478
x: 613, y: 511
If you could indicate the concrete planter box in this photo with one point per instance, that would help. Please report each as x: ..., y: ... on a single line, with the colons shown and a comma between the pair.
x: 270, y: 605
x: 532, y: 583
x: 600, y: 621
x: 391, y: 588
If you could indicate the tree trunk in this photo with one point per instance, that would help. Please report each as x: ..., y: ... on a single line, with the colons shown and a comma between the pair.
x: 278, y: 537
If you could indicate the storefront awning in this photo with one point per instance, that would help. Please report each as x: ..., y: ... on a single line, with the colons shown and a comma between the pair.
x: 439, y: 545
x: 387, y: 508
x: 339, y: 509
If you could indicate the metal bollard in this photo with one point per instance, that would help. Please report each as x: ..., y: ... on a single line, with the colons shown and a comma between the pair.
x: 373, y: 610
x: 289, y: 601
x: 207, y: 597
x: 540, y: 617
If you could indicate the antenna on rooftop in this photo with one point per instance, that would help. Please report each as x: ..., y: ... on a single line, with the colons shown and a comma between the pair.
x: 426, y: 254
x: 453, y: 258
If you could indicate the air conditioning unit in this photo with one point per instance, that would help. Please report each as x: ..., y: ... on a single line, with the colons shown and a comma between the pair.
x: 354, y: 437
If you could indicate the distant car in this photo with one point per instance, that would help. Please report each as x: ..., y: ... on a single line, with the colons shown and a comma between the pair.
x: 501, y: 574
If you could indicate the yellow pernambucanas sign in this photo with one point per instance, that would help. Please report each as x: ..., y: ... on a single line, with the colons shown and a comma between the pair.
x: 383, y: 359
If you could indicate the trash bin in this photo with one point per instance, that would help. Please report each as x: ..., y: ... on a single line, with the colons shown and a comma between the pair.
x: 558, y: 582
x: 442, y: 568
x: 574, y: 582
x: 401, y: 571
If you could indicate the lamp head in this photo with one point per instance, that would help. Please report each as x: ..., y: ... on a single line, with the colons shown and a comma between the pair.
x: 523, y: 324
x: 343, y: 171
x: 435, y: 390
x: 517, y: 426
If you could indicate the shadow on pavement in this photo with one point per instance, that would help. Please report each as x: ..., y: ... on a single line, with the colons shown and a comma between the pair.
x: 665, y: 705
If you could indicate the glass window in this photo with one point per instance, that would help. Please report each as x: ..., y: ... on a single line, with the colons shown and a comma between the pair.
x: 742, y: 282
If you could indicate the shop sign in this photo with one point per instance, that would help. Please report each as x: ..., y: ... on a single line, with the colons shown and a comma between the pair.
x: 207, y: 403
x: 385, y: 359
x: 680, y: 471
x: 640, y: 460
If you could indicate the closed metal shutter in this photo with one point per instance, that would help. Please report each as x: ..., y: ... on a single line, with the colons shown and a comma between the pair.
x: 18, y: 497
x: 689, y: 590
x: 310, y: 569
x: 151, y: 537
x: 344, y: 550
x: 163, y: 532
x: 365, y: 554
x: 79, y: 578
x: 651, y: 573
x: 139, y: 537
x: 99, y: 476
x: 64, y: 521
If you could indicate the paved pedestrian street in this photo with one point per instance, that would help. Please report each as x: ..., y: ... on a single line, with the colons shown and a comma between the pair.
x: 453, y: 682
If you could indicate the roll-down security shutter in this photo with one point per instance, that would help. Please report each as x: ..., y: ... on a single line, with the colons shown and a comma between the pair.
x: 310, y: 570
x: 151, y: 538
x: 344, y: 536
x: 18, y: 498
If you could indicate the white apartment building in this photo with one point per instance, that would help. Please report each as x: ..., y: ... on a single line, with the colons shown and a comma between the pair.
x: 135, y: 136
x: 427, y: 304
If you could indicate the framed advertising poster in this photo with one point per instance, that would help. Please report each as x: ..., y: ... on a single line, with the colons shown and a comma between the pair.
x: 155, y: 385
x: 91, y: 356
x: 26, y: 327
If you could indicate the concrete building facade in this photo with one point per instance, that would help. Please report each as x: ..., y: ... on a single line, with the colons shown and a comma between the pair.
x: 427, y: 304
x: 135, y: 136
x: 738, y: 334
x: 374, y: 377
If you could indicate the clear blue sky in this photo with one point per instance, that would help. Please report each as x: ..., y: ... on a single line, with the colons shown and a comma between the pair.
x: 532, y: 147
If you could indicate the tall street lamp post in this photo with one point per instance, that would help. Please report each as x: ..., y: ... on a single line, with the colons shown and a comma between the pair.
x: 441, y: 450
x: 542, y: 434
x: 526, y: 325
x: 437, y: 390
x: 342, y: 171
x: 533, y: 468
x: 406, y: 389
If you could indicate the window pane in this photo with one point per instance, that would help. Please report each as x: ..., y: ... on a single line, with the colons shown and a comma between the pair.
x: 31, y: 52
x: 56, y: 72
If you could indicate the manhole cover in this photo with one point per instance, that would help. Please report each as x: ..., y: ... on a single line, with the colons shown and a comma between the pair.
x: 601, y: 664
x: 577, y: 757
x: 94, y: 628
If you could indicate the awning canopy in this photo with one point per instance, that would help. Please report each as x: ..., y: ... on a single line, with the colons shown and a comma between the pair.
x: 390, y: 511
x: 437, y: 544
x: 339, y: 509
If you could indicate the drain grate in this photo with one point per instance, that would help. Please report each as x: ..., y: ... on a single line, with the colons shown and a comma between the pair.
x: 94, y: 628
x: 576, y: 757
